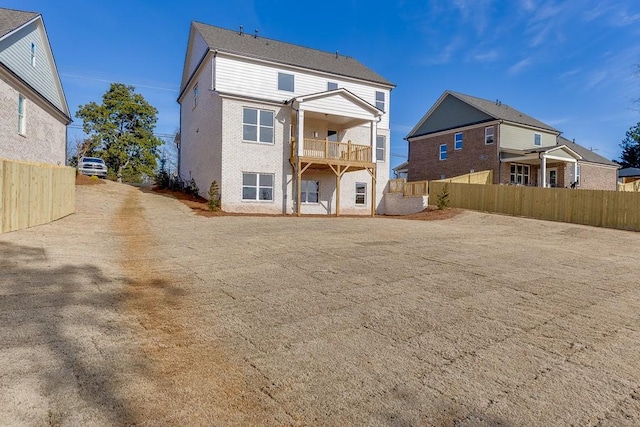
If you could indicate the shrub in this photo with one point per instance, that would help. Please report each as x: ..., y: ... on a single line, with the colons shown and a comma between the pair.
x: 214, y: 197
x: 443, y: 198
x: 192, y: 188
x: 162, y: 179
x: 94, y: 178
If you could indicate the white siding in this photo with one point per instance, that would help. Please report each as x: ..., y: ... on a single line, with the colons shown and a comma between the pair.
x: 195, y: 54
x: 338, y: 105
x: 15, y: 53
x: 520, y: 138
x: 260, y: 80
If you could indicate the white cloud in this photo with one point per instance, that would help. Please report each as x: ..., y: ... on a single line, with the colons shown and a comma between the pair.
x: 595, y: 79
x: 570, y: 73
x: 490, y: 56
x: 519, y: 66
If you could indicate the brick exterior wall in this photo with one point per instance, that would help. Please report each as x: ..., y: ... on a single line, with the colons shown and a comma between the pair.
x: 45, y: 136
x: 597, y: 177
x: 424, y: 155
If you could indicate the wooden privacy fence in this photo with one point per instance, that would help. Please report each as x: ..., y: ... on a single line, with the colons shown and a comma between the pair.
x: 629, y: 186
x: 34, y: 193
x: 409, y: 189
x: 482, y: 177
x: 600, y: 208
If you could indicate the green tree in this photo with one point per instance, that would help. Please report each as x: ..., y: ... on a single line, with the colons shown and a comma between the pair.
x: 121, y: 131
x: 631, y: 148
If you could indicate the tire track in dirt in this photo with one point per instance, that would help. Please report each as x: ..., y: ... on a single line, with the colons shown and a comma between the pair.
x: 190, y: 379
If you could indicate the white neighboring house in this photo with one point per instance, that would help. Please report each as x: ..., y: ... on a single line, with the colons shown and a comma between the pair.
x: 33, y: 109
x: 275, y: 123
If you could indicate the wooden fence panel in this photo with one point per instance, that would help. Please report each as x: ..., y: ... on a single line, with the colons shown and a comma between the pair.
x: 33, y: 194
x: 598, y: 208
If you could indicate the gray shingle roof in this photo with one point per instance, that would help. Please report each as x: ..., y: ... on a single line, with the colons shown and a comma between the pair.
x: 628, y: 172
x: 11, y: 19
x: 231, y: 41
x: 587, y: 155
x: 502, y: 111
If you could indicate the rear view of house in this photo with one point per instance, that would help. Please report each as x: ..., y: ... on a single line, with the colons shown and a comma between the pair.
x: 462, y: 134
x: 34, y: 109
x: 282, y: 128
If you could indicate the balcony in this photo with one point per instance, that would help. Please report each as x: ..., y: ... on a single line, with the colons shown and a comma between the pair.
x: 319, y: 151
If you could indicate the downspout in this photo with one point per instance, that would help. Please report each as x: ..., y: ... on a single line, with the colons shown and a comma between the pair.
x: 498, y: 153
x: 294, y: 189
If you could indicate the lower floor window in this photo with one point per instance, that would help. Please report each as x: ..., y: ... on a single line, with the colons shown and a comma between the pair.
x: 257, y: 186
x: 520, y: 174
x: 309, y: 191
x: 361, y: 193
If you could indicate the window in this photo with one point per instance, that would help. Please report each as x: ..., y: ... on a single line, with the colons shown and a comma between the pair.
x: 443, y: 176
x: 488, y: 135
x: 520, y: 174
x: 381, y: 142
x: 443, y: 152
x: 332, y: 135
x: 332, y: 86
x: 309, y: 191
x: 257, y: 125
x: 537, y: 139
x: 285, y: 82
x: 195, y: 96
x: 361, y: 193
x: 21, y: 117
x: 457, y: 141
x: 257, y: 186
x: 380, y: 101
x: 33, y: 54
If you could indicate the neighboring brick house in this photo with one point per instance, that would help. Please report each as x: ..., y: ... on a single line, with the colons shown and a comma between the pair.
x: 462, y: 134
x: 33, y: 109
x: 282, y: 128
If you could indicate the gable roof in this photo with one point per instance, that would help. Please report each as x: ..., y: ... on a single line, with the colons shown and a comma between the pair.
x: 485, y: 110
x: 586, y: 154
x: 244, y: 44
x: 11, y: 19
x: 628, y: 172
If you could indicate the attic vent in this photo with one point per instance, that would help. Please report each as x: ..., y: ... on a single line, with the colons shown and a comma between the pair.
x: 240, y: 33
x: 255, y: 34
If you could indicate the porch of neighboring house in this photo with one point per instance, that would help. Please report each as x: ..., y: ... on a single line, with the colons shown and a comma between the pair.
x: 544, y: 167
x: 322, y: 147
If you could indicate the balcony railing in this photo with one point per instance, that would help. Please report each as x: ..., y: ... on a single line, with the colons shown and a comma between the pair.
x: 331, y: 150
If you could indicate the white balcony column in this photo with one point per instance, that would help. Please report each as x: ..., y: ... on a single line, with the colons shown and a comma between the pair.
x: 300, y: 133
x: 374, y: 136
x: 543, y: 170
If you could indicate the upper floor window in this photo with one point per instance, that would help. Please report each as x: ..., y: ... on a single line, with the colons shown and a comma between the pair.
x: 195, y: 95
x: 21, y: 117
x: 332, y: 85
x: 285, y: 82
x: 257, y: 125
x: 489, y: 135
x: 257, y: 186
x: 380, y: 101
x: 443, y: 151
x: 457, y: 141
x: 537, y: 139
x: 381, y: 142
x: 33, y: 54
x: 361, y: 193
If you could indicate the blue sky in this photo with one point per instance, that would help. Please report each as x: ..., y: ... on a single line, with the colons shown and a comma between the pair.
x: 572, y: 64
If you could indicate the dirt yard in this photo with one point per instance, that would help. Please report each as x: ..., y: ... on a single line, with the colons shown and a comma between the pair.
x: 138, y: 311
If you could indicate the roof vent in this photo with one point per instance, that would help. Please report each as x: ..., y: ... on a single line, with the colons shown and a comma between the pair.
x: 240, y: 33
x: 337, y: 53
x: 255, y: 34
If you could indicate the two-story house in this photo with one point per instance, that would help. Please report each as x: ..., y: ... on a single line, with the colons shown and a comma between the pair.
x: 33, y: 109
x: 282, y: 128
x: 462, y: 134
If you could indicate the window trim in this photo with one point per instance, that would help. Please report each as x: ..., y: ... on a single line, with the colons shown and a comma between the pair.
x: 443, y: 155
x: 258, y: 126
x: 455, y: 141
x: 196, y: 93
x: 33, y: 54
x: 258, y: 187
x: 537, y: 139
x: 22, y: 115
x: 513, y: 174
x: 382, y: 138
x: 493, y: 135
x: 381, y: 104
x: 304, y: 192
x: 363, y: 194
x: 293, y: 81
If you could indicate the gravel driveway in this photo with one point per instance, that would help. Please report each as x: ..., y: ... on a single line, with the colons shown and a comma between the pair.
x: 137, y: 311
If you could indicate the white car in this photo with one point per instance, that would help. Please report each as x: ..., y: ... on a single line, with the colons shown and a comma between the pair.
x: 92, y: 166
